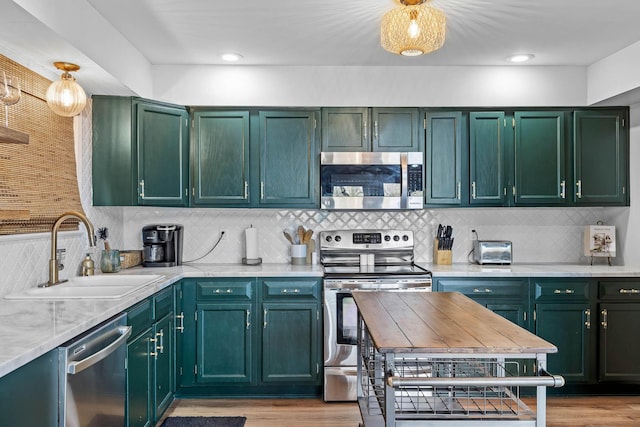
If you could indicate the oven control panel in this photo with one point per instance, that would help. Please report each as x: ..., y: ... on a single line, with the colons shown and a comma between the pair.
x: 366, y: 239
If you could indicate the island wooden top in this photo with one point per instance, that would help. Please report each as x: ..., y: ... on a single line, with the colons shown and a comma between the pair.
x: 441, y: 322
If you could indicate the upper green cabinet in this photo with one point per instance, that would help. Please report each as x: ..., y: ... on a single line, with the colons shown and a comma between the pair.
x: 249, y: 158
x: 371, y: 129
x: 220, y: 165
x: 489, y: 142
x: 288, y: 158
x: 140, y: 152
x: 539, y: 158
x: 600, y: 157
x: 444, y: 159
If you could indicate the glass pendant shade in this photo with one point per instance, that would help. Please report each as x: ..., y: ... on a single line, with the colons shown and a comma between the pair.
x: 413, y: 30
x: 66, y: 97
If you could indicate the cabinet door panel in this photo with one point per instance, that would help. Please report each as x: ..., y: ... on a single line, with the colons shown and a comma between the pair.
x: 290, y: 342
x: 163, y: 365
x: 221, y: 172
x: 619, y: 346
x: 288, y: 158
x: 163, y: 154
x: 345, y: 129
x: 488, y: 175
x: 539, y: 158
x: 600, y: 158
x: 568, y: 327
x: 224, y: 344
x: 444, y: 158
x: 139, y: 383
x: 396, y: 129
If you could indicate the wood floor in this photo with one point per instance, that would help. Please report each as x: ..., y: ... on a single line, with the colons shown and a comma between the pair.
x: 598, y: 411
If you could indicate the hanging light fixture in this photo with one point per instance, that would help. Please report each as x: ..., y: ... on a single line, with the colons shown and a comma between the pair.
x: 66, y: 97
x: 413, y: 29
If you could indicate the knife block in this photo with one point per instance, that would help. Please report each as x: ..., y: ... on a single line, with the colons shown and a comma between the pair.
x: 442, y: 257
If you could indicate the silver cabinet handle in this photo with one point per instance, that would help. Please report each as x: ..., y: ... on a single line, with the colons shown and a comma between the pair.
x: 566, y: 291
x: 285, y: 291
x: 246, y: 190
x: 180, y: 317
x: 473, y: 190
x: 142, y: 188
x: 579, y: 189
x: 81, y: 365
x: 563, y: 185
x: 264, y: 325
x: 629, y: 291
x: 604, y: 318
x: 248, y: 317
x: 160, y: 347
x: 458, y: 191
x: 154, y: 353
x: 587, y: 313
x: 482, y: 291
x: 261, y: 190
x: 375, y: 128
x: 364, y: 132
x: 227, y: 291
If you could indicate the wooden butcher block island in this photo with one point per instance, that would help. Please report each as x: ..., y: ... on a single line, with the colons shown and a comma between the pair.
x: 440, y: 358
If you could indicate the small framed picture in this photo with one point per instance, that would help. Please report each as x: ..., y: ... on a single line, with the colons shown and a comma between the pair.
x: 600, y: 241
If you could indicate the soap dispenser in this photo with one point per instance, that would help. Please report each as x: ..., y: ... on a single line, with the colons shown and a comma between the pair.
x: 88, y: 267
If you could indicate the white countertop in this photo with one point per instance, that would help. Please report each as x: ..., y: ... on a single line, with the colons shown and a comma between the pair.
x: 30, y: 328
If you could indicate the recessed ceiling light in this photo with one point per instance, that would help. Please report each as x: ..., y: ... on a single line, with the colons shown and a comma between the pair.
x: 231, y: 57
x: 521, y: 57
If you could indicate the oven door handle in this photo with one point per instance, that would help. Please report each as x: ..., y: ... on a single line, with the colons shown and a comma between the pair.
x: 81, y: 365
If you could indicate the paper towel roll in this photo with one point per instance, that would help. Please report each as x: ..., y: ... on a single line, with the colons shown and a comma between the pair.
x: 251, y: 242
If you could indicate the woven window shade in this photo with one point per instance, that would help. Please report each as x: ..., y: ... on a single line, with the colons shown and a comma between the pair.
x: 37, y: 180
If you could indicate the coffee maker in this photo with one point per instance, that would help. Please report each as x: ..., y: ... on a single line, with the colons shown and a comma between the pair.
x: 162, y: 245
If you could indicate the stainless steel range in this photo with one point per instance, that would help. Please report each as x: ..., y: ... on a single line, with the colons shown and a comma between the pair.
x: 359, y: 260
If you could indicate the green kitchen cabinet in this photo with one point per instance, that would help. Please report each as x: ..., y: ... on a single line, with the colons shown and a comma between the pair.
x: 619, y: 326
x: 139, y: 152
x: 489, y: 149
x: 29, y: 395
x: 221, y: 172
x: 539, y: 158
x: 565, y: 316
x: 600, y: 157
x: 150, y: 359
x: 445, y: 159
x: 371, y: 129
x: 250, y: 337
x: 288, y: 158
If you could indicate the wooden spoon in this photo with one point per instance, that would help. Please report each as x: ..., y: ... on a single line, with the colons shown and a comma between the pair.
x: 307, y: 236
x: 301, y: 234
x: 288, y: 236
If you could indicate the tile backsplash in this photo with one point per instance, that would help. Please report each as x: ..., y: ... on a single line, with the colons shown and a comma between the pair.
x: 539, y: 235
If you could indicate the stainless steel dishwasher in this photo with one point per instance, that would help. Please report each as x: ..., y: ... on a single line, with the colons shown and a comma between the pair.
x: 92, y: 376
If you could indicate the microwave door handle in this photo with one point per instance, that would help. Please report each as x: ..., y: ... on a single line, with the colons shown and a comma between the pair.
x: 81, y: 365
x: 404, y: 179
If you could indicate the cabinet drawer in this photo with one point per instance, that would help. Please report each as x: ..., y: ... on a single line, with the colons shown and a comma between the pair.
x: 140, y: 317
x: 561, y: 290
x: 619, y: 290
x: 487, y: 288
x: 163, y: 303
x: 224, y: 289
x: 279, y: 288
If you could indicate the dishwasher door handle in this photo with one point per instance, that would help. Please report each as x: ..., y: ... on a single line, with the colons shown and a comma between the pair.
x: 81, y: 365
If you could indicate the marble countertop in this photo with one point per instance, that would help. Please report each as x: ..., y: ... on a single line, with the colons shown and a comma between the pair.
x: 30, y: 328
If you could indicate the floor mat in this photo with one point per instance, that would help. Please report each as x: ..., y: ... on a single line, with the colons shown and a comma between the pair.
x: 204, y: 422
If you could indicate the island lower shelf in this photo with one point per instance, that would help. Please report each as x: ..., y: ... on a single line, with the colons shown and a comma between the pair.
x: 455, y: 380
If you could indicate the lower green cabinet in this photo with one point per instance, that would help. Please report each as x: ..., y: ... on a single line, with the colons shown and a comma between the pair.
x: 150, y: 359
x: 250, y: 337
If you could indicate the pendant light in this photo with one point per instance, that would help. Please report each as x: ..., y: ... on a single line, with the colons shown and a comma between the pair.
x: 413, y: 29
x: 66, y: 97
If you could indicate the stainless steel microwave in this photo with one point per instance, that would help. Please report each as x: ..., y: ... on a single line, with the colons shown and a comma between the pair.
x: 366, y: 180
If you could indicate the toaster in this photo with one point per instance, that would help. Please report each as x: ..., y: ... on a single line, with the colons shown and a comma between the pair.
x: 492, y: 251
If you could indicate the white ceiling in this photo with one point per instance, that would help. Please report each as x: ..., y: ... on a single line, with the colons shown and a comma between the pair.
x: 317, y: 32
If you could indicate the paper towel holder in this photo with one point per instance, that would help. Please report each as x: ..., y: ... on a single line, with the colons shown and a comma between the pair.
x: 251, y: 261
x: 247, y: 260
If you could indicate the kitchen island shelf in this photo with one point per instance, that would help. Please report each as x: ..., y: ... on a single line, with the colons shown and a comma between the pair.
x: 444, y: 375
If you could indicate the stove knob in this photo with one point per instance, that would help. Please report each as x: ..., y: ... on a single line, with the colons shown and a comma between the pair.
x: 396, y: 238
x: 328, y: 238
x: 338, y: 238
x: 405, y: 238
x: 387, y: 238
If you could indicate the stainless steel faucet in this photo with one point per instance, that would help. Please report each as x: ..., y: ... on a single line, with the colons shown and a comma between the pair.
x: 53, y: 262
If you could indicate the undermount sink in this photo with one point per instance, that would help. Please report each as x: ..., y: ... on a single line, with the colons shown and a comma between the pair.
x: 99, y: 287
